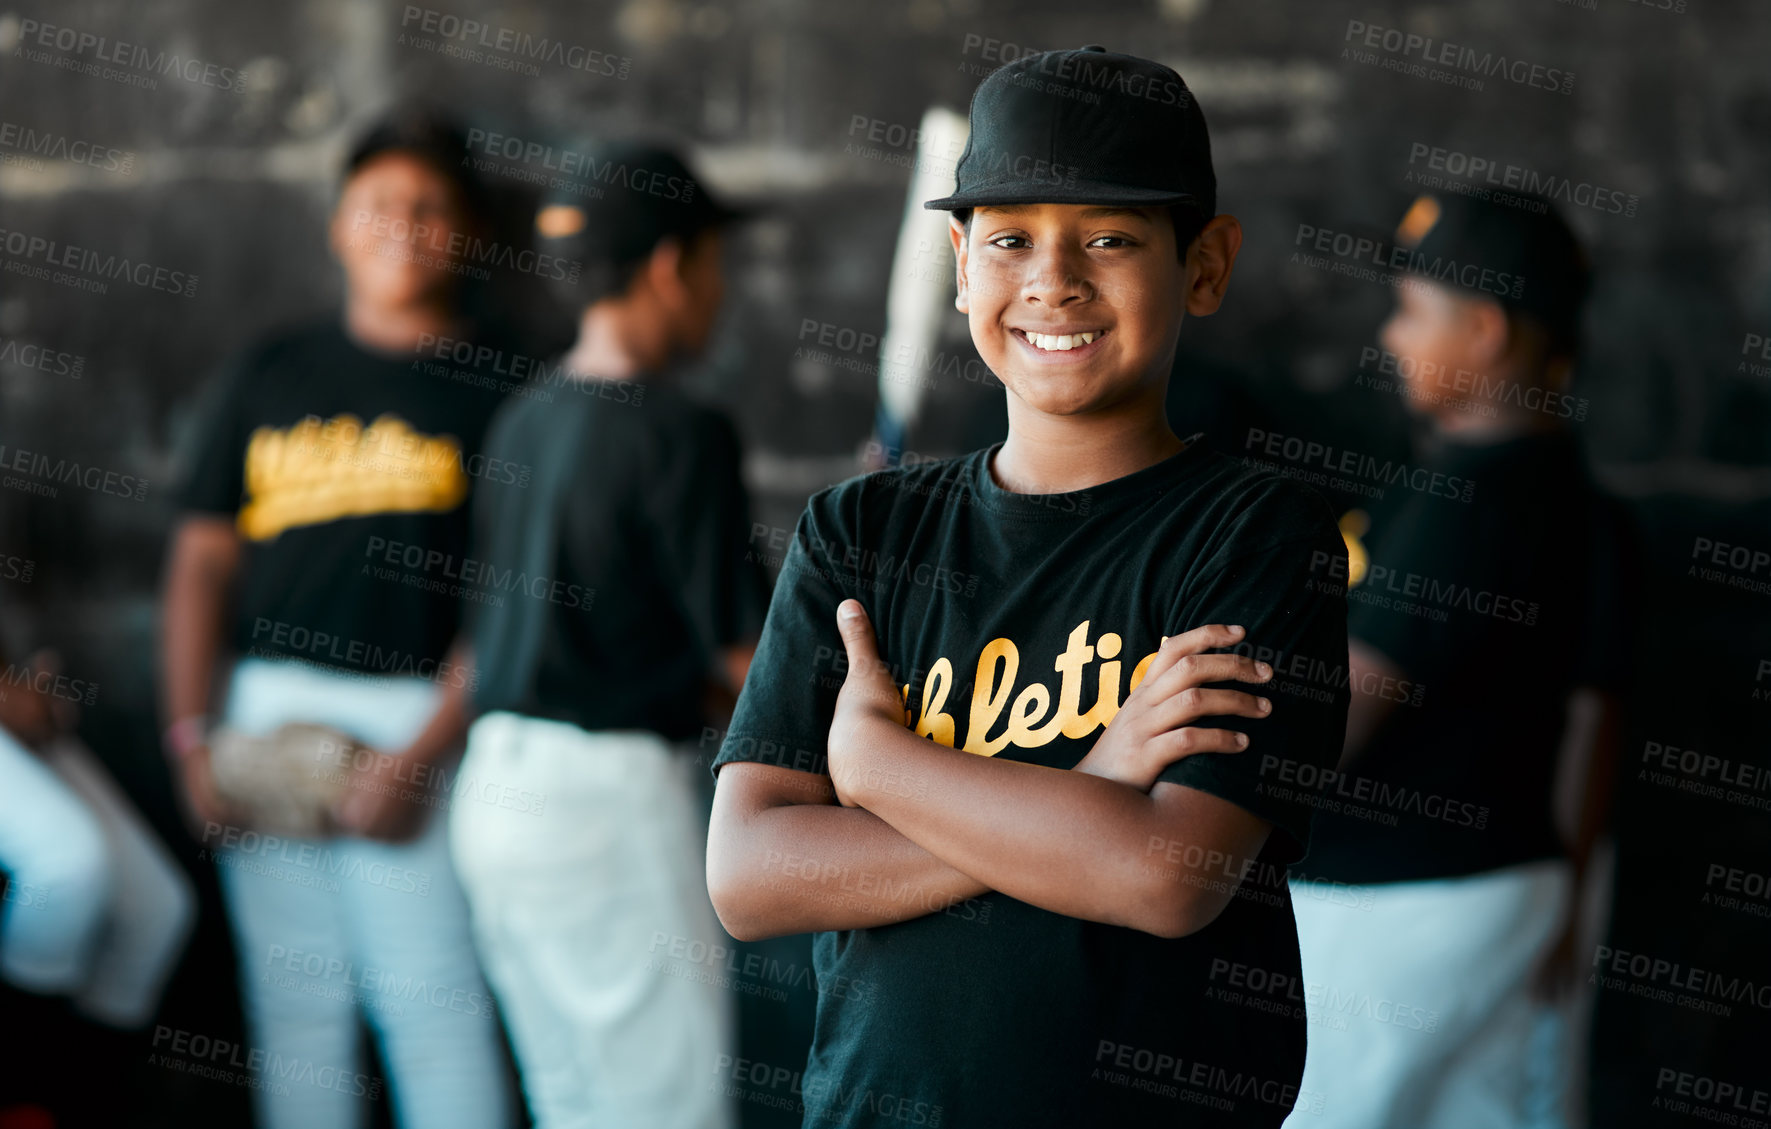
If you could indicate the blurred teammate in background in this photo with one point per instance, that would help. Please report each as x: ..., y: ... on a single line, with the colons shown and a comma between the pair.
x: 639, y: 590
x: 96, y: 910
x: 329, y: 459
x: 1486, y: 652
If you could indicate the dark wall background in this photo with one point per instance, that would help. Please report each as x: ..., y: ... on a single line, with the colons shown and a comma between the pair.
x: 1670, y: 107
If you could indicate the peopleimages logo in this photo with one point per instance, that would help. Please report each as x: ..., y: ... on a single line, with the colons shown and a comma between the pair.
x: 204, y: 1056
x: 1434, y: 54
x: 1319, y: 680
x: 575, y: 169
x: 1671, y: 981
x: 1460, y: 387
x: 1374, y: 259
x: 479, y: 581
x: 276, y: 637
x: 1755, y: 345
x: 1746, y: 567
x: 1705, y: 775
x: 1413, y: 593
x: 1327, y: 787
x: 37, y: 473
x: 1493, y: 174
x: 1310, y: 454
x: 21, y: 569
x: 1256, y: 986
x: 506, y: 48
x: 57, y: 147
x: 48, y: 683
x: 55, y: 362
x: 38, y: 39
x: 1733, y: 1098
x: 85, y: 268
x: 455, y: 250
x: 1192, y: 1080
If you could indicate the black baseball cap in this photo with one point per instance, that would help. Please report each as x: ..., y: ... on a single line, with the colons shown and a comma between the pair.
x: 1088, y: 126
x: 622, y: 197
x: 1525, y: 243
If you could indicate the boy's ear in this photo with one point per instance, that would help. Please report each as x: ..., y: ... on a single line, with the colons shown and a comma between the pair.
x: 338, y: 230
x: 1487, y: 334
x: 1209, y: 263
x: 956, y: 233
x: 664, y: 272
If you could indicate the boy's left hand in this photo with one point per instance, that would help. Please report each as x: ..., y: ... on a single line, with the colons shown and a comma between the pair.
x: 374, y: 804
x: 869, y: 696
x: 1554, y: 976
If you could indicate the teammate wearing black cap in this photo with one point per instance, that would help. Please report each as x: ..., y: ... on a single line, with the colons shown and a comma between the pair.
x: 1505, y: 606
x: 992, y: 751
x: 583, y: 864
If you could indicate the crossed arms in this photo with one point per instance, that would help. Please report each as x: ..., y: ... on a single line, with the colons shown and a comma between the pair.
x: 911, y: 827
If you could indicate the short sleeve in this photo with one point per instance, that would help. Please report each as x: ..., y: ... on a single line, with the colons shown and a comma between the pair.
x: 502, y: 533
x: 1289, y: 596
x: 213, y: 480
x: 783, y: 714
x: 1427, y: 541
x: 1612, y: 589
x: 700, y: 513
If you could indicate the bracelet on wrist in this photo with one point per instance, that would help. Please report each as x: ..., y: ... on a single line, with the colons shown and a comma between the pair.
x: 186, y: 735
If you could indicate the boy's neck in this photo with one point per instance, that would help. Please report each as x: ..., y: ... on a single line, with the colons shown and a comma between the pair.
x: 1059, y: 454
x: 611, y: 345
x: 1473, y: 431
x: 398, y: 329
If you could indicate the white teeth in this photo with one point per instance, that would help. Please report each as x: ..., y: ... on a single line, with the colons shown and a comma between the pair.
x: 1060, y: 342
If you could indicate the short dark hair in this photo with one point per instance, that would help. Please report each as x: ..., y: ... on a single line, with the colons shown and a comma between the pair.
x: 429, y: 136
x: 1560, y: 335
x: 1188, y: 222
x: 606, y: 276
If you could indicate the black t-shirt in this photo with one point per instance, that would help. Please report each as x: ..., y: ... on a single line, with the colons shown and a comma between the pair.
x: 1494, y: 609
x: 606, y: 590
x: 993, y: 1012
x: 347, y: 473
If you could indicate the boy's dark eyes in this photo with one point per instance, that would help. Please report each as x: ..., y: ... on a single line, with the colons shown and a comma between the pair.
x: 1021, y: 242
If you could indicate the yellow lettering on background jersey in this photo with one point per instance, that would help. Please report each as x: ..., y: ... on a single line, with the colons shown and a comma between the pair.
x: 1032, y: 719
x: 1355, y: 524
x: 317, y: 472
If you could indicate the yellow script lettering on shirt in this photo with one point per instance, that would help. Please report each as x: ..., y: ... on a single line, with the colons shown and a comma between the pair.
x: 318, y: 471
x: 1032, y: 719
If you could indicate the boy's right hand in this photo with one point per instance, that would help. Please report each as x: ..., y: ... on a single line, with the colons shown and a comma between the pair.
x: 31, y: 715
x: 1154, y: 728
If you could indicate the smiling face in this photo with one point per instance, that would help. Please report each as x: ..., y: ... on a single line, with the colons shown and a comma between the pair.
x: 1077, y: 308
x: 398, y: 229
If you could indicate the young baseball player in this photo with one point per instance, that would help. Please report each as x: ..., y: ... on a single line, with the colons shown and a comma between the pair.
x: 637, y: 593
x: 998, y: 749
x: 1471, y: 896
x: 322, y: 448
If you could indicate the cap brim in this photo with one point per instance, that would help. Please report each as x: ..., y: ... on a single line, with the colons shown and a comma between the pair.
x: 726, y: 214
x: 1080, y: 192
